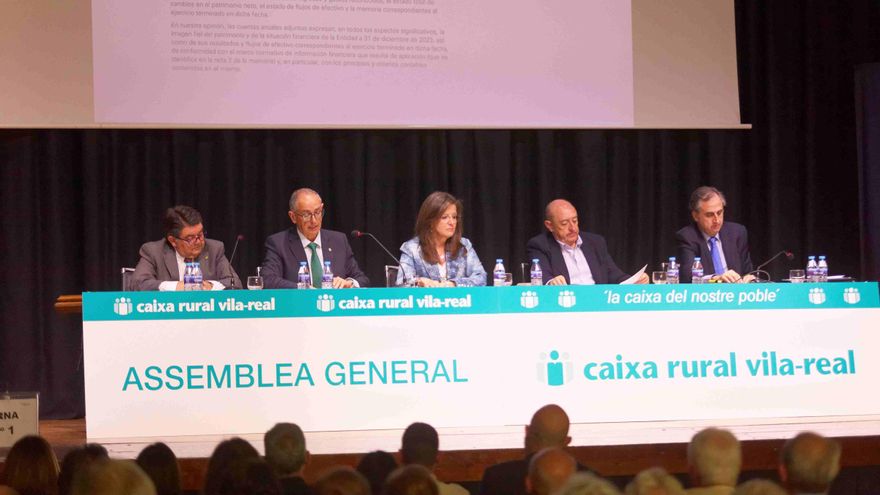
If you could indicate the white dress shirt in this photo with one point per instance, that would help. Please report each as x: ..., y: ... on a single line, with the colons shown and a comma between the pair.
x: 579, y: 272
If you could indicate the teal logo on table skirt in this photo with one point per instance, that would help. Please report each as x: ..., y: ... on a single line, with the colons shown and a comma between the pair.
x: 122, y: 306
x: 555, y: 369
x: 326, y: 303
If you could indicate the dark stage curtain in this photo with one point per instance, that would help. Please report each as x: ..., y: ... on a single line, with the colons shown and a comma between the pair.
x: 77, y: 204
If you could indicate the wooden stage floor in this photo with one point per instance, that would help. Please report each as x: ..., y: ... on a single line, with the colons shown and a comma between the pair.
x: 468, y: 465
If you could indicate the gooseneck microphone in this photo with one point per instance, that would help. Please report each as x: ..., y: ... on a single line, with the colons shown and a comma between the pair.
x: 758, y: 271
x: 357, y: 234
x: 238, y: 239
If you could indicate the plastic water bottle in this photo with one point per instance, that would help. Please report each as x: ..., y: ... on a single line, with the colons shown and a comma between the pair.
x: 188, y: 276
x: 499, y: 273
x: 196, y: 276
x: 822, y: 269
x: 327, y: 277
x: 672, y: 271
x: 535, y: 273
x: 812, y: 269
x: 697, y: 271
x: 303, y: 277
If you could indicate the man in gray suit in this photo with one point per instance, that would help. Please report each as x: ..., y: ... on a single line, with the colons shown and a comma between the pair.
x: 162, y: 262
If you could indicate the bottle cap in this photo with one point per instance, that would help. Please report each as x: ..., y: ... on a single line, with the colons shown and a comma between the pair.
x: 499, y: 260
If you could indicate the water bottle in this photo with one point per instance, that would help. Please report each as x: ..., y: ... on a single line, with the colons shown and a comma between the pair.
x: 697, y: 271
x: 327, y: 277
x: 188, y: 276
x: 196, y: 276
x: 535, y: 273
x: 672, y: 271
x: 499, y: 273
x: 812, y: 269
x: 303, y: 277
x: 822, y: 269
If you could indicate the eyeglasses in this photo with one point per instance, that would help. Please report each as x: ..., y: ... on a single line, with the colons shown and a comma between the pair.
x: 192, y: 239
x: 306, y: 216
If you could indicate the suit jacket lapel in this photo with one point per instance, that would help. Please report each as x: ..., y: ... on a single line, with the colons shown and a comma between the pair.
x: 205, y: 265
x: 593, y: 262
x: 329, y: 254
x: 295, y: 246
x: 557, y: 262
x: 170, y: 258
x: 705, y: 254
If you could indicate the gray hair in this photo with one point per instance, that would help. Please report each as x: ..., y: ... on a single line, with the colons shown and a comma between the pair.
x: 285, y: 448
x: 759, y: 487
x: 293, y: 197
x: 811, y: 462
x: 654, y: 481
x: 587, y: 484
x: 716, y: 457
x: 704, y: 193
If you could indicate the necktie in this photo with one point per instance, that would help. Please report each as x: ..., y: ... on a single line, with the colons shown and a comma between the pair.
x: 315, y: 266
x: 716, y: 256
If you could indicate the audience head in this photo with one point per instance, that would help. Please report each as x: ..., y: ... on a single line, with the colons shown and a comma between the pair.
x: 561, y: 219
x: 714, y: 458
x: 31, y: 467
x: 184, y: 230
x: 228, y: 462
x: 420, y: 445
x: 411, y: 480
x: 78, y: 460
x: 439, y: 221
x: 286, y: 452
x: 112, y: 477
x: 587, y: 484
x: 654, y: 481
x: 160, y: 464
x: 342, y: 481
x: 376, y: 466
x: 548, y: 428
x: 549, y: 469
x: 759, y: 487
x: 809, y: 463
x: 707, y: 209
x: 306, y: 212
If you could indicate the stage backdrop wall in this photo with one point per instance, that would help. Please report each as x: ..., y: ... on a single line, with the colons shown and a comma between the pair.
x: 78, y: 204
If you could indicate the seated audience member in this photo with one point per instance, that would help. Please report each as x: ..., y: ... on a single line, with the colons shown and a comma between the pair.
x: 549, y: 469
x: 759, y: 487
x: 376, y: 466
x: 112, y: 477
x: 569, y: 255
x: 420, y: 446
x: 587, y: 484
x: 31, y: 467
x: 78, y: 460
x: 162, y: 262
x: 341, y: 480
x: 257, y: 478
x: 438, y: 256
x: 722, y: 246
x: 654, y: 481
x: 809, y: 463
x: 285, y: 447
x: 714, y: 460
x: 160, y: 464
x: 307, y: 241
x: 413, y: 479
x: 228, y: 462
x: 548, y: 428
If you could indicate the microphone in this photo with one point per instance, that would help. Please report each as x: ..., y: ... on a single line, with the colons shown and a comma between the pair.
x: 757, y: 271
x: 357, y: 234
x: 238, y: 238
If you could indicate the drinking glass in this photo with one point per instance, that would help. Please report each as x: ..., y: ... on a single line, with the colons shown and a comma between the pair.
x: 658, y: 277
x: 255, y: 282
x: 796, y: 276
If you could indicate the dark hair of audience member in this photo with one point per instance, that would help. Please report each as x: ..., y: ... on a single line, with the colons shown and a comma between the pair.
x: 412, y: 479
x: 376, y: 466
x: 228, y: 462
x: 77, y: 460
x: 31, y: 467
x: 160, y: 464
x: 342, y: 480
x: 257, y: 478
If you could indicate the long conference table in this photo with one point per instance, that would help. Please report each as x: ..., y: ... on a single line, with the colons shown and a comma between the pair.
x: 477, y: 362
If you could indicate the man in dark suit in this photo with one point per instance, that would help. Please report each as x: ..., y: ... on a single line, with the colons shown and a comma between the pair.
x: 723, y: 247
x: 547, y: 429
x: 569, y: 256
x: 286, y: 454
x: 286, y: 249
x: 162, y: 262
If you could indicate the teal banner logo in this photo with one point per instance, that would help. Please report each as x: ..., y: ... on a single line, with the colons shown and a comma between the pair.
x: 122, y: 306
x: 555, y: 369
